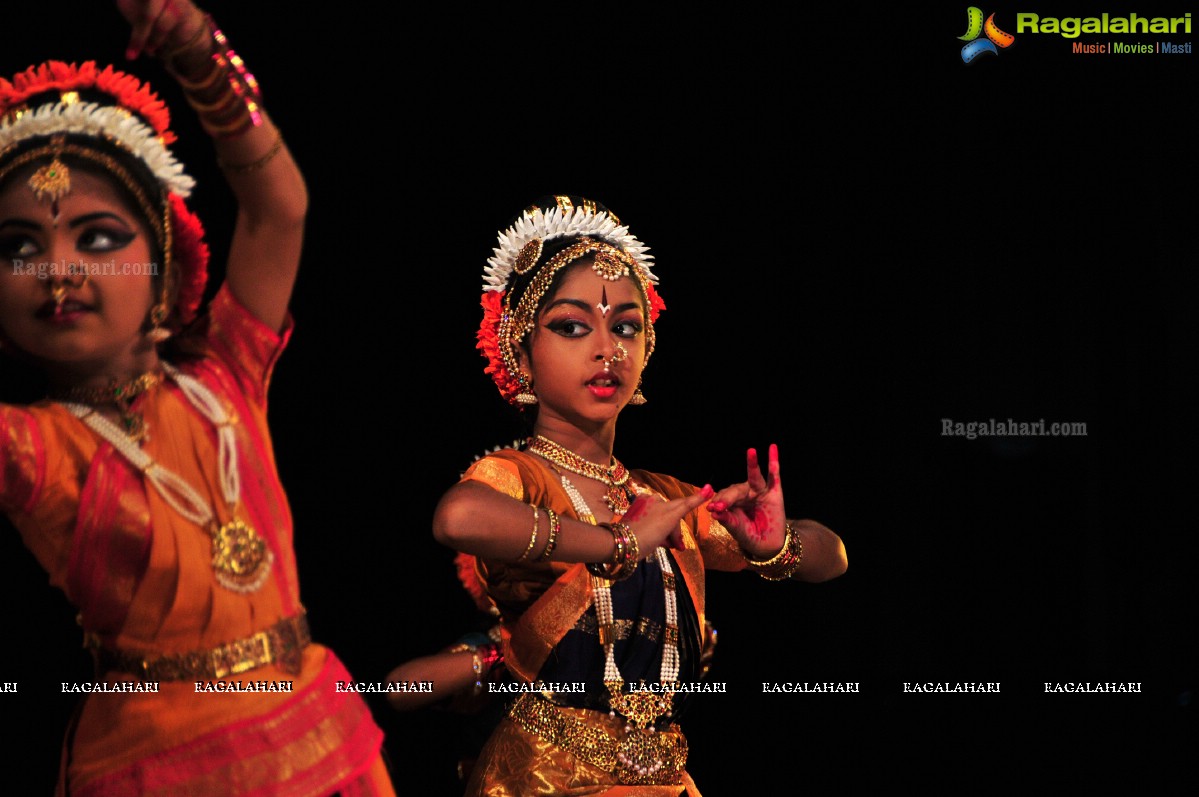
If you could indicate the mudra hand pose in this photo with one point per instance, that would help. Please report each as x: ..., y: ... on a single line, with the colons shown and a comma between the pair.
x: 145, y: 484
x: 597, y: 570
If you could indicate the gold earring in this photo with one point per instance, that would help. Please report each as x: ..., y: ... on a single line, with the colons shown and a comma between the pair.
x: 157, y: 333
x: 638, y: 397
x: 526, y: 396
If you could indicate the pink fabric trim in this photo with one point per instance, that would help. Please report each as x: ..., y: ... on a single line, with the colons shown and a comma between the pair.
x: 108, y: 557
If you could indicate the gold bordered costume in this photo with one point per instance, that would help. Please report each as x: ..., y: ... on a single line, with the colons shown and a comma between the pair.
x: 540, y: 604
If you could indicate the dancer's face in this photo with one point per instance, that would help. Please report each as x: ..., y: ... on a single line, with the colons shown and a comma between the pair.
x: 578, y: 329
x: 101, y: 318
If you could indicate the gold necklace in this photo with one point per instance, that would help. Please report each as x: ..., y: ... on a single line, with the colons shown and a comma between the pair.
x: 642, y: 753
x: 241, y: 558
x: 119, y: 393
x: 615, y: 476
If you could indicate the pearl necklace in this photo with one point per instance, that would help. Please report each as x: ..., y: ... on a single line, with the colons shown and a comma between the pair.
x: 240, y: 556
x: 638, y: 756
x: 615, y: 476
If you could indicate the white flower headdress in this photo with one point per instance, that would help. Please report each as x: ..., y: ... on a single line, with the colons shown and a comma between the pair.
x: 112, y: 123
x: 546, y: 225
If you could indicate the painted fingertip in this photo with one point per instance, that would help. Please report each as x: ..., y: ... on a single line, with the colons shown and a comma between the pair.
x: 707, y: 491
x: 716, y: 506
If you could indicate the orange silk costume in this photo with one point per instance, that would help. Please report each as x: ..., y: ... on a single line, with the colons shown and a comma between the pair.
x: 540, y: 603
x: 142, y: 577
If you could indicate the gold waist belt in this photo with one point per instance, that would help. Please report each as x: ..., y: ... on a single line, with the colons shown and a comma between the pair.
x: 281, y: 644
x: 634, y: 757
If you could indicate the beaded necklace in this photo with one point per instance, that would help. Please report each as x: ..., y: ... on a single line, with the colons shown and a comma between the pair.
x: 240, y: 557
x: 122, y: 395
x: 615, y: 476
x: 638, y: 754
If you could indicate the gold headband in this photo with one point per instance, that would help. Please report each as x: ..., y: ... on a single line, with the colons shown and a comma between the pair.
x: 53, y: 186
x: 611, y: 263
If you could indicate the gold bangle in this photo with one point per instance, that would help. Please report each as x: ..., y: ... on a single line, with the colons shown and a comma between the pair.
x: 246, y: 168
x: 626, y: 554
x: 169, y: 56
x: 476, y: 666
x: 228, y: 98
x: 783, y: 564
x: 208, y: 81
x: 555, y: 527
x: 225, y: 130
x: 774, y: 560
x: 533, y: 538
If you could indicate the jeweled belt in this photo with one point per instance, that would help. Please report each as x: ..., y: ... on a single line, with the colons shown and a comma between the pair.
x: 281, y: 644
x: 651, y: 758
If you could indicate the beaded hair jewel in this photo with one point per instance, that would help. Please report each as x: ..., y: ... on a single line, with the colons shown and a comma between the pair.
x: 45, y: 117
x: 507, y: 319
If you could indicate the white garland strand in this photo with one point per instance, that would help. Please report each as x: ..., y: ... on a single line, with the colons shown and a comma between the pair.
x: 602, y: 598
x: 211, y: 408
x: 182, y: 497
x: 557, y: 223
x: 109, y: 122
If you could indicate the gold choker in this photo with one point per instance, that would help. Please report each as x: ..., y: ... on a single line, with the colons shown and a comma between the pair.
x: 121, y: 394
x: 615, y: 476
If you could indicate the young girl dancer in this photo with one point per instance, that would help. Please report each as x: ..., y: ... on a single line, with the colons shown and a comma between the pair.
x: 597, y: 570
x: 145, y: 483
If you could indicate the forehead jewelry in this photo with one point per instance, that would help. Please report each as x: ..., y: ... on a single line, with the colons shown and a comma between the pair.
x: 620, y: 355
x: 53, y: 181
x: 603, y: 306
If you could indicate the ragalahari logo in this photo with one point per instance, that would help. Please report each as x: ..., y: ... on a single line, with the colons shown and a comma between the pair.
x: 974, y: 27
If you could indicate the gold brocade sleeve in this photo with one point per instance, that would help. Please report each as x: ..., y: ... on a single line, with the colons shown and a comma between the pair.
x: 498, y: 474
x: 514, y: 587
x: 538, y: 601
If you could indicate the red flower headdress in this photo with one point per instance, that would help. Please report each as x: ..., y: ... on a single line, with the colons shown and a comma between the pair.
x: 136, y: 122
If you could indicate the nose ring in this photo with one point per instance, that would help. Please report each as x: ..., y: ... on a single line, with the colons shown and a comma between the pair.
x: 620, y: 355
x: 58, y: 288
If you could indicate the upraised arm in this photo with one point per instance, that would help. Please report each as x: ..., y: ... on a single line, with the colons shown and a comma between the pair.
x: 272, y: 198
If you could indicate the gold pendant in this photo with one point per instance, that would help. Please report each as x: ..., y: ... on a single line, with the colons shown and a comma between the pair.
x: 240, y: 557
x: 617, y: 499
x: 645, y: 757
x: 135, y: 427
x: 642, y: 709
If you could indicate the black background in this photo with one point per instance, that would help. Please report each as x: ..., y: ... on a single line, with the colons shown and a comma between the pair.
x: 858, y: 235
